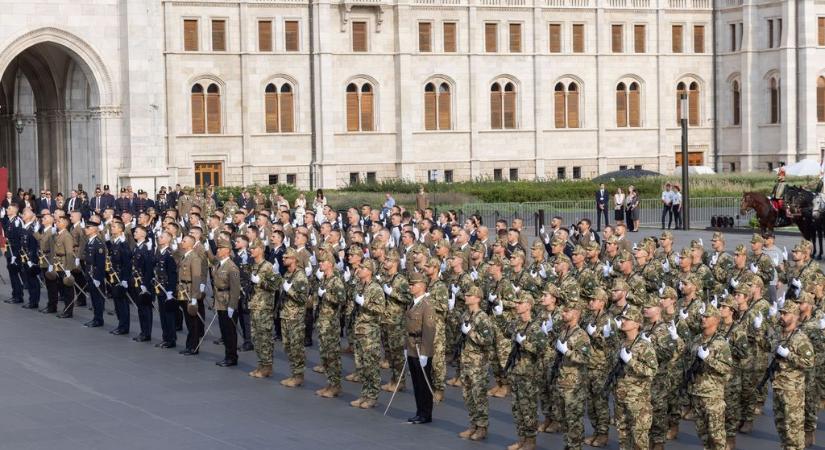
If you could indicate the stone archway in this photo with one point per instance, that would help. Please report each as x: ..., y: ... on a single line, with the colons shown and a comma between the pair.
x: 52, y: 93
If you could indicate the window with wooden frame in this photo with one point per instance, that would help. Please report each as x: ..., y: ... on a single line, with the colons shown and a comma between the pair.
x: 198, y: 107
x: 190, y: 35
x: 503, y: 105
x: 265, y: 36
x: 691, y: 91
x: 359, y: 36
x: 208, y: 173
x: 218, y: 35
x: 566, y: 105
x: 578, y: 38
x: 213, y: 109
x: 425, y: 37
x: 617, y: 38
x: 292, y: 36
x: 554, y: 38
x: 639, y: 38
x: 775, y: 97
x: 515, y: 38
x: 820, y: 31
x: 360, y: 107
x: 698, y: 39
x: 628, y: 105
x: 820, y: 99
x: 450, y: 30
x: 437, y: 106
x: 279, y: 108
x: 736, y: 106
x: 491, y: 37
x: 677, y: 38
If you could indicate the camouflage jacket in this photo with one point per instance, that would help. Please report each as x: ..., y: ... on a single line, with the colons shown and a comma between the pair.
x: 335, y: 296
x: 602, y: 349
x: 369, y: 314
x: 523, y: 281
x: 790, y: 375
x: 638, y: 373
x: 568, y: 287
x: 463, y: 282
x: 439, y: 298
x: 721, y: 266
x: 665, y: 347
x: 810, y: 327
x: 737, y: 336
x: 295, y: 294
x: 573, y: 366
x: 531, y: 349
x: 263, y: 293
x: 764, y: 266
x: 399, y: 299
x: 504, y: 294
x: 710, y: 379
x: 478, y: 342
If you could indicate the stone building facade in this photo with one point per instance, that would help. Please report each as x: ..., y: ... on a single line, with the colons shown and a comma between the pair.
x: 323, y: 93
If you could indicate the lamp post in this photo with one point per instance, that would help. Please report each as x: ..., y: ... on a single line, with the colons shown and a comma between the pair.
x: 683, y: 106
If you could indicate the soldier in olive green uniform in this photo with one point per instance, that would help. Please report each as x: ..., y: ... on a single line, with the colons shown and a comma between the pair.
x: 478, y: 338
x: 565, y: 280
x: 226, y: 279
x: 811, y: 322
x: 573, y: 355
x: 331, y: 297
x: 720, y: 262
x: 735, y: 332
x: 295, y: 292
x: 656, y: 333
x: 265, y: 283
x: 550, y: 315
x: 397, y: 290
x: 500, y: 304
x: 803, y: 270
x: 673, y: 368
x: 598, y: 324
x: 757, y: 316
x: 64, y: 265
x: 760, y: 263
x: 528, y: 342
x: 370, y: 305
x: 439, y: 299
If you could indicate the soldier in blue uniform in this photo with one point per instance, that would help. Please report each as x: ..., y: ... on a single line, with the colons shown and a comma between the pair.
x: 143, y: 280
x: 29, y: 269
x: 11, y: 228
x: 121, y: 273
x: 166, y: 281
x: 94, y: 258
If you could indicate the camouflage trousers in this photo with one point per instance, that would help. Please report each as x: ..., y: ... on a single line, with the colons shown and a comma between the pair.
x: 549, y: 397
x: 710, y: 421
x: 474, y: 379
x: 525, y: 396
x: 659, y: 390
x: 262, y: 323
x: 733, y: 403
x: 393, y: 332
x: 811, y: 400
x: 820, y: 379
x: 499, y: 354
x: 674, y: 402
x: 750, y: 398
x: 368, y: 346
x: 329, y: 346
x: 293, y: 335
x: 788, y: 412
x: 439, y: 356
x: 598, y: 409
x: 453, y: 331
x: 633, y: 420
x: 572, y: 414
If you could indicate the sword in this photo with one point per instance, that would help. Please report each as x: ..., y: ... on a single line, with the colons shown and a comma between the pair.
x: 205, y: 331
x: 417, y: 350
x: 395, y: 391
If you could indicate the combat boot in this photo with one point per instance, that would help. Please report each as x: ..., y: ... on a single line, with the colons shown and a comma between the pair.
x: 438, y: 396
x: 286, y: 381
x: 453, y: 382
x: 746, y: 427
x: 529, y: 444
x: 543, y: 426
x: 480, y: 434
x: 658, y: 446
x: 357, y: 402
x: 322, y: 391
x: 672, y: 432
x: 297, y: 381
x: 503, y: 391
x: 468, y: 432
x: 554, y: 427
x: 493, y: 390
x: 810, y: 439
x: 256, y: 373
x: 367, y: 404
x: 516, y: 445
x: 385, y: 364
x: 266, y: 371
x: 730, y: 444
x: 599, y: 440
x: 389, y: 387
x: 353, y: 377
x: 318, y: 369
x: 332, y: 392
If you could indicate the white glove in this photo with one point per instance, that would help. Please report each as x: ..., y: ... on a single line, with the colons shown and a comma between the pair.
x: 590, y: 329
x: 474, y: 275
x: 143, y: 289
x: 796, y: 283
x: 785, y: 253
x: 492, y: 297
x: 541, y: 230
x: 193, y: 302
x: 255, y: 278
x: 618, y: 322
x: 757, y: 321
x: 753, y: 268
x: 312, y: 259
x: 286, y: 241
x: 683, y: 314
x: 782, y: 351
x: 714, y: 259
x: 498, y: 309
x: 347, y: 275
x: 674, y: 332
x: 546, y: 239
x: 202, y: 287
x: 451, y: 303
x: 359, y: 299
x: 287, y: 286
x: 124, y: 284
x: 68, y: 273
x: 454, y: 289
x: 516, y: 289
x: 666, y: 266
x: 715, y: 302
x: 773, y: 310
x: 230, y: 312
x: 607, y: 330
x: 441, y: 268
x: 625, y: 355
x: 780, y: 301
x: 403, y: 262
x: 405, y: 353
x: 14, y: 259
x: 734, y: 283
x: 520, y: 338
x: 2, y: 212
x: 561, y: 346
x: 542, y: 271
x: 606, y: 270
x: 308, y: 270
x: 319, y: 274
x: 387, y: 289
x: 169, y: 295
x: 534, y: 274
x: 211, y: 235
x: 822, y: 323
x: 321, y: 292
x: 50, y: 268
x: 547, y: 326
x: 423, y: 360
x: 97, y: 283
x: 645, y: 337
x: 31, y: 264
x: 702, y: 352
x: 76, y: 261
x: 465, y: 327
x: 677, y: 259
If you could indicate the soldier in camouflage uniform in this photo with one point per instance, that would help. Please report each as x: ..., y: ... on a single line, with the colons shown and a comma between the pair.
x: 295, y: 291
x: 478, y: 338
x: 720, y: 262
x: 570, y: 369
x: 500, y: 296
x: 649, y: 270
x: 667, y: 258
x: 520, y: 277
x: 657, y: 334
x: 478, y: 269
x: 673, y: 368
x: 632, y: 389
x: 331, y: 299
x: 735, y: 332
x: 632, y: 277
x: 708, y: 372
x: 758, y: 262
x: 565, y: 280
x: 811, y: 322
x: 397, y: 291
x: 598, y: 324
x: 540, y: 268
x: 794, y: 354
x: 739, y: 272
x: 550, y: 315
x: 369, y: 309
x: 460, y: 283
x: 439, y: 299
x: 702, y: 271
x: 265, y: 283
x: 528, y: 342
x: 802, y: 271
x: 757, y: 315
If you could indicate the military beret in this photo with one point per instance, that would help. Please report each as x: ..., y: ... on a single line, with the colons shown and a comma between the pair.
x: 551, y: 289
x: 790, y: 307
x: 224, y: 243
x: 668, y: 292
x: 612, y: 240
x: 562, y: 258
x: 597, y: 294
x: 696, y: 244
x: 806, y: 297
x: 686, y: 253
x: 369, y: 264
x: 740, y: 250
x: 355, y: 250
x: 256, y: 243
x: 474, y: 291
x: 666, y: 235
x: 433, y: 262
x: 718, y: 236
x: 708, y: 310
x: 757, y: 238
x: 537, y: 245
x: 416, y: 278
x: 632, y: 313
x: 290, y: 253
x: 517, y: 254
x: 624, y: 256
x: 579, y: 250
x: 556, y: 242
x: 727, y: 300
x: 524, y: 297
x: 620, y: 285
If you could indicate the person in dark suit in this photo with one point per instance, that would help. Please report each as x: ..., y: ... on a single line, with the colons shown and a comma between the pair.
x: 121, y: 259
x: 108, y: 198
x: 94, y: 256
x: 173, y: 196
x: 167, y: 280
x: 602, y: 202
x: 143, y: 263
x: 96, y: 203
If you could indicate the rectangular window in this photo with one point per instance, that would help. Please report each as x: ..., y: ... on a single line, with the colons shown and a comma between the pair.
x: 371, y: 177
x: 208, y: 173
x: 740, y: 28
x: 732, y: 37
x: 264, y: 35
x: 578, y: 38
x: 425, y: 31
x: 450, y: 37
x: 448, y: 176
x: 354, y: 178
x: 554, y: 37
x: 514, y: 174
x: 497, y: 174
x: 273, y: 179
x: 778, y: 32
x: 770, y: 166
x: 577, y: 172
x: 291, y: 179
x: 490, y: 37
x: 218, y: 35
x: 676, y: 38
x: 770, y: 33
x: 623, y: 167
x: 561, y: 173
x: 359, y: 36
x: 732, y: 167
x: 698, y: 39
x: 617, y: 36
x: 515, y: 38
x: 820, y: 31
x: 190, y: 35
x: 639, y: 38
x: 291, y: 36
x: 638, y: 167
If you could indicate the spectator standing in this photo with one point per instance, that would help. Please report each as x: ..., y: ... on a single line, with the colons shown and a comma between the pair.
x: 677, y: 206
x: 632, y: 209
x: 667, y: 206
x: 618, y: 205
x: 421, y: 202
x: 602, y: 203
x: 319, y: 203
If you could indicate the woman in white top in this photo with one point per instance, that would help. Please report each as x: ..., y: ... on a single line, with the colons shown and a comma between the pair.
x: 318, y: 204
x: 301, y: 201
x: 618, y: 202
x: 676, y: 206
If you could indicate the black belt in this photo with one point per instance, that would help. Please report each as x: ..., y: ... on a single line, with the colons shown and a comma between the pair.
x: 223, y: 290
x: 415, y: 335
x: 58, y: 254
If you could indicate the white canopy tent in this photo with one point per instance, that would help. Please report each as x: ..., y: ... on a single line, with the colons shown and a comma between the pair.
x: 695, y: 170
x: 804, y: 168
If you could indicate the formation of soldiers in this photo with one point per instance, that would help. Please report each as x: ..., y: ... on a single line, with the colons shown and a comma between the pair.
x: 561, y: 325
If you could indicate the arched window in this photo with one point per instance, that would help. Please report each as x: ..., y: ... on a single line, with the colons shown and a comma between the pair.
x: 621, y: 105
x: 820, y: 99
x: 495, y: 106
x: 360, y: 110
x: 509, y: 106
x: 279, y: 108
x: 693, y: 104
x: 680, y: 91
x: 213, y: 109
x: 737, y: 103
x: 559, y: 103
x: 628, y: 105
x: 198, y: 103
x: 503, y: 105
x: 566, y: 103
x: 573, y: 105
x: 437, y: 106
x: 775, y: 95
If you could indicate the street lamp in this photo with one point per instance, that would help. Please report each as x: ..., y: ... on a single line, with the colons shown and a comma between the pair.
x: 683, y: 107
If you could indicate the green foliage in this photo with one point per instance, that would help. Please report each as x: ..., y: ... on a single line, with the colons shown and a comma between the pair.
x: 288, y: 191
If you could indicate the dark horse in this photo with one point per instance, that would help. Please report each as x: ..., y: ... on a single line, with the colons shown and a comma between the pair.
x: 800, y: 212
